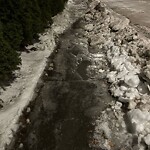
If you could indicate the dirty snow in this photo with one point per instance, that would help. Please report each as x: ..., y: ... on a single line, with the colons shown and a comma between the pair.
x: 127, y: 71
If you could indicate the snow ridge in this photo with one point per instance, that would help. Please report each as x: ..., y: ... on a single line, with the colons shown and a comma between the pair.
x: 127, y: 69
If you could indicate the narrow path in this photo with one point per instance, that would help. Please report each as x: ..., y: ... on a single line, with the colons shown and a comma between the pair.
x: 62, y: 115
x: 18, y: 95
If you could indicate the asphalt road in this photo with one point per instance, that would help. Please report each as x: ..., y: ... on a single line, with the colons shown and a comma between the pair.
x: 138, y: 11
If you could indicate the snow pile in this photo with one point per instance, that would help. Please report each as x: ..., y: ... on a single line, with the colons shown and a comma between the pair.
x: 110, y: 130
x: 119, y: 24
x: 126, y: 84
x: 140, y: 120
x: 127, y: 69
x: 124, y: 78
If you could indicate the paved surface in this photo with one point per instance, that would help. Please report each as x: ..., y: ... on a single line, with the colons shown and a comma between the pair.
x: 136, y: 10
x: 69, y: 101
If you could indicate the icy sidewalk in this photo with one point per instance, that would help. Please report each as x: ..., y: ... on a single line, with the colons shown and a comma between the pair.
x: 17, y: 96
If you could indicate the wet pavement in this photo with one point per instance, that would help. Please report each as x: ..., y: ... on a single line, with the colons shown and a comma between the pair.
x: 62, y: 116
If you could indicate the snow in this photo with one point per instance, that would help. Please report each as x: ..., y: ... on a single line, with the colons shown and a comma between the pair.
x: 139, y: 119
x: 118, y: 105
x: 125, y: 71
x: 89, y: 27
x: 131, y: 90
x: 123, y: 50
x: 131, y: 80
x: 18, y: 95
x: 120, y: 24
x: 106, y: 129
x: 147, y: 139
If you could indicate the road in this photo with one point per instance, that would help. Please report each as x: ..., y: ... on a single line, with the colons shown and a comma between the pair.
x: 136, y: 10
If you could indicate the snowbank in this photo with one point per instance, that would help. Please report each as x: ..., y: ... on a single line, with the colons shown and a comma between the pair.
x: 127, y: 68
